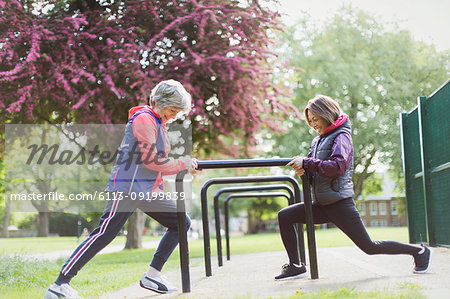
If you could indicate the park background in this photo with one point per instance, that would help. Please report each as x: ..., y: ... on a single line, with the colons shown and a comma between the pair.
x: 249, y: 69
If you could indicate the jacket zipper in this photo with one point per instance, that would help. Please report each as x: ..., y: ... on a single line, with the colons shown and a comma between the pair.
x: 314, y: 179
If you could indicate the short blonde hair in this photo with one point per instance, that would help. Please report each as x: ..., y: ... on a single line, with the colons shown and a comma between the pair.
x: 170, y: 93
x: 325, y: 107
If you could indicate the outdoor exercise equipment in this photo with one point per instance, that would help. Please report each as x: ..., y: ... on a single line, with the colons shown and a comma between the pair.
x: 246, y: 195
x: 301, y: 242
x: 239, y: 163
x: 233, y: 180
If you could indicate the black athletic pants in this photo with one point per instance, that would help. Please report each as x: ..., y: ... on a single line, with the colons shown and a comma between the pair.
x: 346, y: 217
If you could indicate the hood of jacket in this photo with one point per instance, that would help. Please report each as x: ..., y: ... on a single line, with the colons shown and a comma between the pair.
x: 339, y: 122
x: 135, y: 109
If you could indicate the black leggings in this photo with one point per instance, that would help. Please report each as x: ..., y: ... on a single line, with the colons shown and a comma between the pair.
x: 346, y: 217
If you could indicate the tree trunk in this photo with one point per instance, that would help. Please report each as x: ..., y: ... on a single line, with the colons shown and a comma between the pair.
x: 42, y: 224
x: 135, y: 227
x: 364, y: 175
x: 43, y: 217
x: 5, y: 233
x: 253, y: 222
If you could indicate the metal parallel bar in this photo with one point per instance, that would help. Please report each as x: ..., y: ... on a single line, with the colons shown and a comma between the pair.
x: 227, y: 231
x: 205, y: 218
x: 184, y: 251
x: 242, y: 163
x: 244, y: 189
x: 257, y: 179
x: 205, y: 225
x: 310, y: 228
x: 182, y: 234
x: 218, y: 235
x: 256, y: 188
x: 300, y: 237
x: 245, y: 195
x: 204, y: 207
x: 299, y: 226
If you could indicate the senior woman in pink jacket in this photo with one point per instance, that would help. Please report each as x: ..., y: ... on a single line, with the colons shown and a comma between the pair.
x: 136, y: 182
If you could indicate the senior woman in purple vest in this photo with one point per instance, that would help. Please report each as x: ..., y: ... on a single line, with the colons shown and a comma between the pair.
x: 136, y: 182
x: 329, y: 165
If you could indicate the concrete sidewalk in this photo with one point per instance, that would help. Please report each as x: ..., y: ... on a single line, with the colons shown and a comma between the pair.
x: 251, y: 275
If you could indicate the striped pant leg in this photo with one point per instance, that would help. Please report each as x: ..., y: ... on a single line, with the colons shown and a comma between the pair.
x: 164, y: 210
x: 111, y: 222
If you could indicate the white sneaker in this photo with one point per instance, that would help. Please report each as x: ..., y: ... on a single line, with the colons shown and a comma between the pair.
x: 61, y: 291
x: 157, y: 284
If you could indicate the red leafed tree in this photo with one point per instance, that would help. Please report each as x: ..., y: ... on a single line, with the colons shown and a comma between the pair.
x: 89, y: 61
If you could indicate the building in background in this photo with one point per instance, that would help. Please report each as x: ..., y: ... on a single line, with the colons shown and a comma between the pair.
x: 382, y: 209
x: 379, y: 211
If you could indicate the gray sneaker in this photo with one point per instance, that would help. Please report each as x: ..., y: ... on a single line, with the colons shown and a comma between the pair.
x: 292, y: 271
x: 422, y: 261
x: 61, y: 291
x: 157, y: 284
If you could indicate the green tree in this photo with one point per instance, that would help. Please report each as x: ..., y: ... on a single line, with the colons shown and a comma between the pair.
x: 46, y: 177
x: 4, y: 206
x: 374, y: 74
x: 89, y: 61
x: 260, y: 209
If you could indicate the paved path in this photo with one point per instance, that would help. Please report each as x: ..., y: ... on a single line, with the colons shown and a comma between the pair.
x: 251, y: 275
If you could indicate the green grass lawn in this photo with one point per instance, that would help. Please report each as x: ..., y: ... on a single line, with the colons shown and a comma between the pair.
x: 407, y: 290
x: 324, y: 238
x: 245, y: 244
x: 48, y: 244
x: 113, y: 271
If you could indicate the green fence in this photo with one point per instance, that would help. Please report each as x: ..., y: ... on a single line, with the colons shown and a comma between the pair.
x: 426, y: 161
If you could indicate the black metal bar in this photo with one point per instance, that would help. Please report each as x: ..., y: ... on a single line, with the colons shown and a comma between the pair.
x: 300, y: 230
x: 227, y: 232
x: 243, y: 163
x: 182, y: 234
x: 245, y: 195
x: 205, y: 224
x: 245, y: 189
x: 233, y: 180
x: 310, y: 227
x: 218, y: 235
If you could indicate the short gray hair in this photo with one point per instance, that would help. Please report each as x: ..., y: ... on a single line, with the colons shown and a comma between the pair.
x: 170, y: 93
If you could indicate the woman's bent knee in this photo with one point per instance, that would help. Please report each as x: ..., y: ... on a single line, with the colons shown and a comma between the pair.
x: 283, y: 217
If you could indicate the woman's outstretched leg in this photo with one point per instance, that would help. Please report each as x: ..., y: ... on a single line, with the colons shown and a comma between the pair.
x: 346, y: 217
